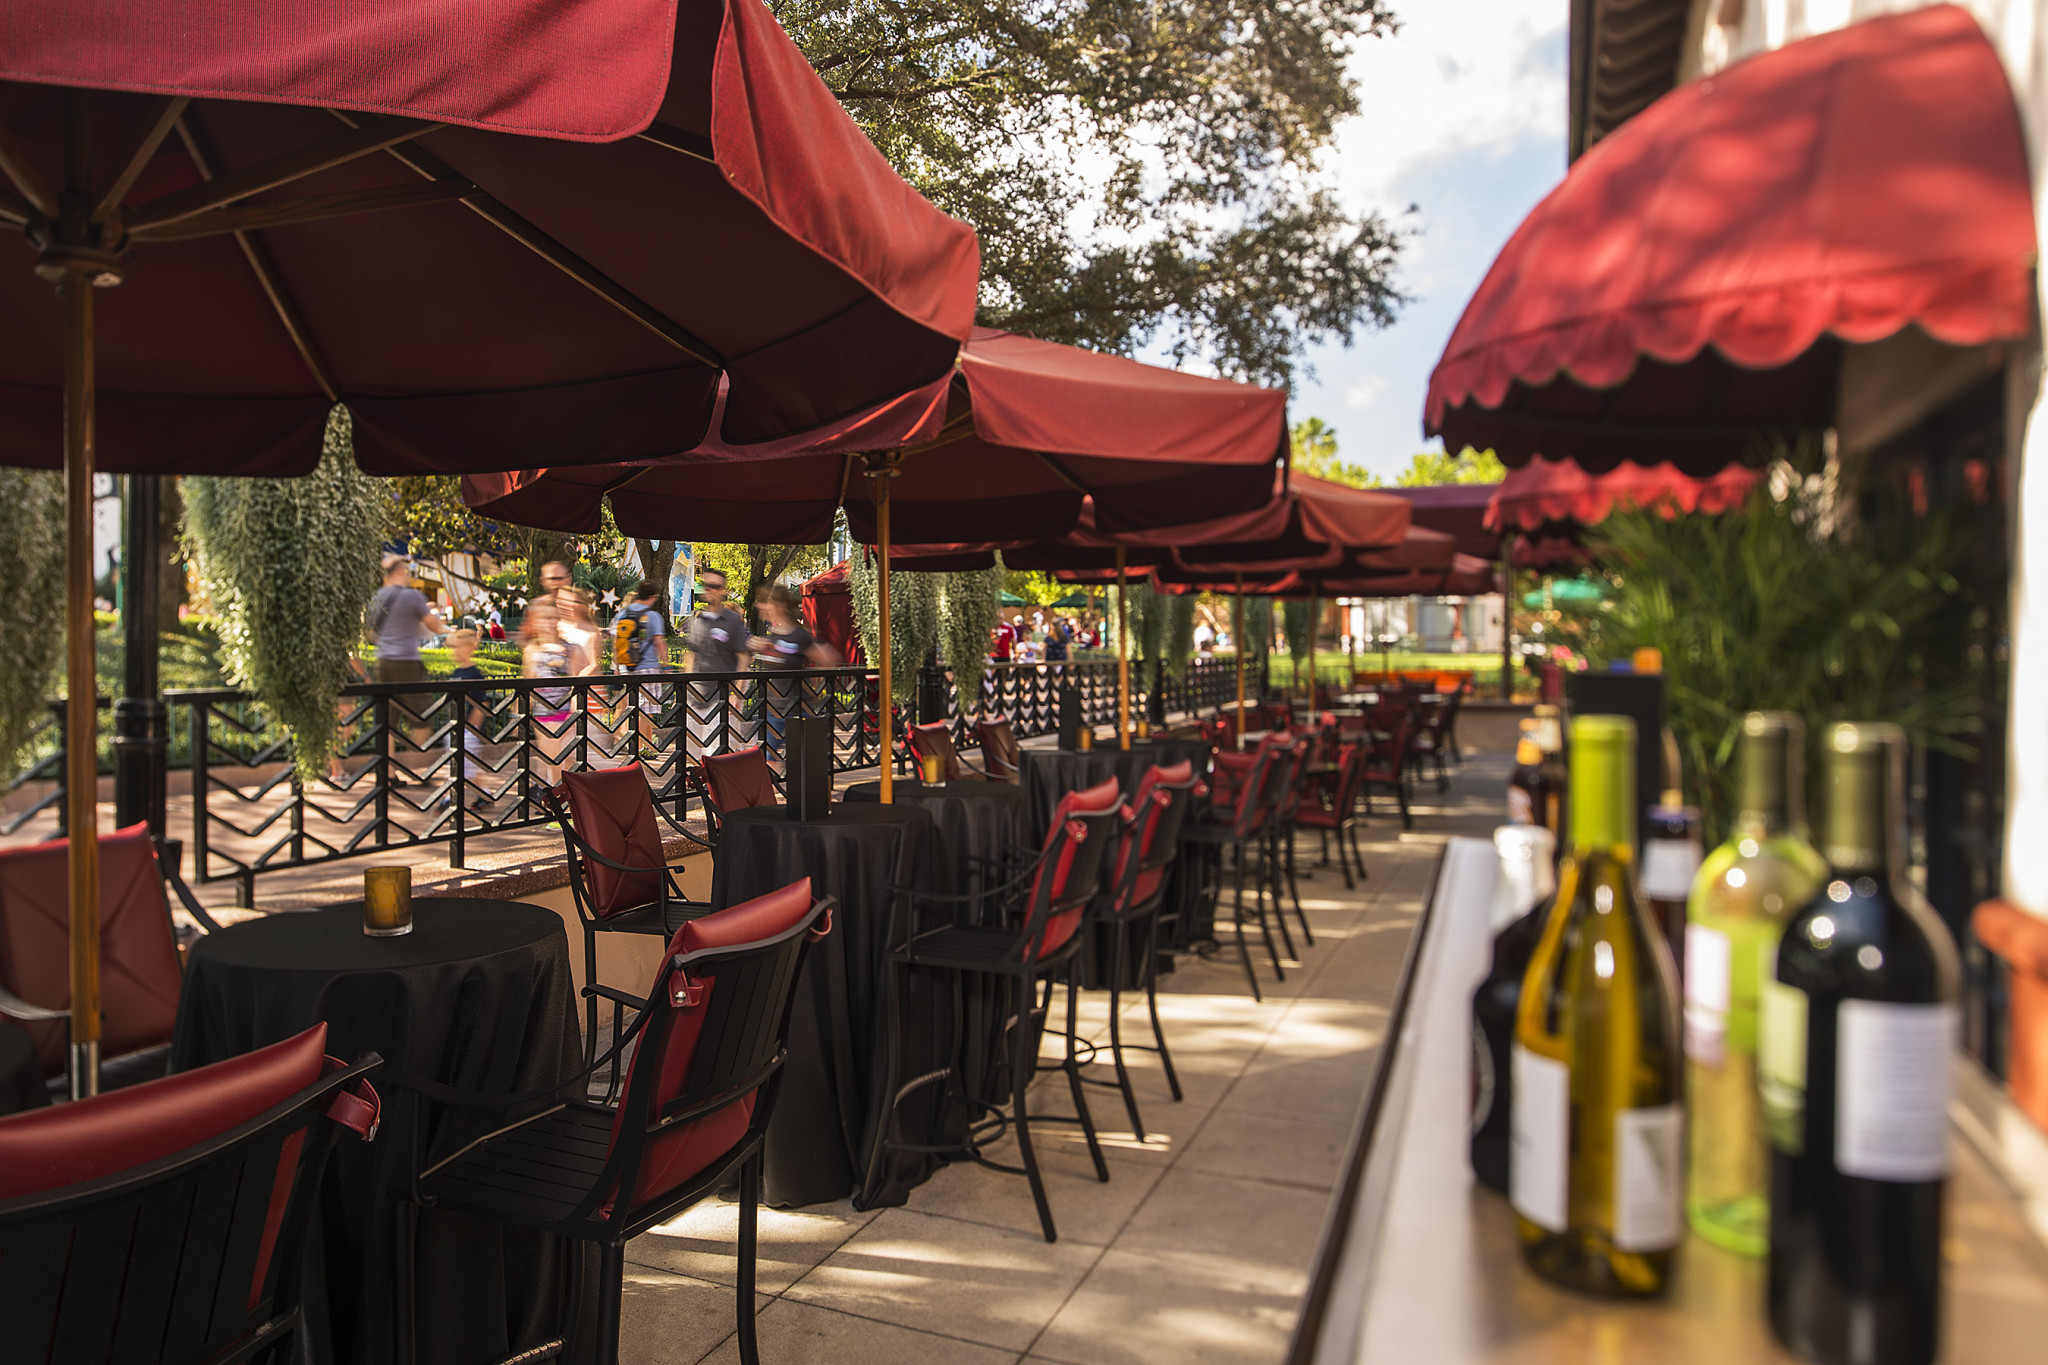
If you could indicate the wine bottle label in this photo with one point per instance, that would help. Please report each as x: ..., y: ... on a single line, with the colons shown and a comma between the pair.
x: 1521, y: 810
x: 1669, y: 866
x: 1781, y: 1060
x: 1539, y: 1151
x: 1647, y: 1180
x: 1708, y: 961
x: 1892, y: 1076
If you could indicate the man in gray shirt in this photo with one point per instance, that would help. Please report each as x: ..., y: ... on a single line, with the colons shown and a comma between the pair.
x: 718, y: 644
x: 398, y: 615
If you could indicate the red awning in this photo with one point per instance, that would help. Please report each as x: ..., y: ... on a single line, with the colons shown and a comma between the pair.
x: 1687, y: 284
x: 1154, y: 447
x: 1459, y: 510
x: 1544, y: 494
x: 513, y: 300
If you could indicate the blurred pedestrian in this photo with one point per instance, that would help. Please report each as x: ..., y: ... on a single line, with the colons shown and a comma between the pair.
x: 785, y: 646
x: 717, y: 640
x: 544, y: 654
x: 398, y: 616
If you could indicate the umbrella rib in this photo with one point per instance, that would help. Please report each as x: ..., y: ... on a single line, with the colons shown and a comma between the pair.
x: 22, y: 171
x: 266, y: 274
x: 487, y: 207
x: 310, y: 209
x: 168, y: 112
x: 15, y: 209
x: 273, y: 171
x: 680, y: 140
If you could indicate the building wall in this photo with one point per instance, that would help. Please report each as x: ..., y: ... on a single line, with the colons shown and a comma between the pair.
x: 1729, y: 30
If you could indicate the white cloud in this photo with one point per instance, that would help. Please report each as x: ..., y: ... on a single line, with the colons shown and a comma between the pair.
x: 1360, y: 392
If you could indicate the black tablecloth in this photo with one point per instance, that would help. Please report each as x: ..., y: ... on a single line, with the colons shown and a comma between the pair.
x: 975, y: 820
x: 1048, y: 774
x: 21, y: 1071
x: 818, y: 1141
x: 479, y: 997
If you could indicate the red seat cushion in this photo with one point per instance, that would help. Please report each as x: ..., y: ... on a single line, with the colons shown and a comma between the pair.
x: 688, y: 1148
x: 614, y: 813
x: 139, y: 972
x: 68, y: 1144
x: 739, y: 780
x: 1069, y: 903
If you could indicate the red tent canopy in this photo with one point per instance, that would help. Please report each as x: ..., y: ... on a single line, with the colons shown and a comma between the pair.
x: 1686, y: 285
x: 1306, y: 519
x: 1547, y: 494
x: 1459, y: 510
x: 1464, y: 576
x: 1029, y: 428
x: 584, y: 215
x: 828, y: 612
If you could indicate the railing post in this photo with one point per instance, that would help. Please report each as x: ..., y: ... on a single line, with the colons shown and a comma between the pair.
x: 202, y: 741
x: 380, y: 724
x: 458, y: 767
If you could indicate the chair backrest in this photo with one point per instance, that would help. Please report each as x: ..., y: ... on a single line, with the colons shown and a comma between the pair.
x: 1292, y: 766
x: 738, y: 780
x: 999, y: 754
x: 612, y: 811
x: 1350, y: 778
x: 1391, y: 751
x: 717, y: 1023
x: 1244, y: 784
x: 1152, y: 835
x: 166, y: 1221
x: 1279, y: 715
x: 139, y: 971
x: 935, y: 741
x: 1069, y: 867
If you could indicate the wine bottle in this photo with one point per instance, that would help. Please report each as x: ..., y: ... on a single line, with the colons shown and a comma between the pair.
x: 1671, y: 856
x: 1535, y: 797
x: 1523, y: 902
x: 1859, y: 1031
x: 1595, y: 1177
x: 1745, y: 891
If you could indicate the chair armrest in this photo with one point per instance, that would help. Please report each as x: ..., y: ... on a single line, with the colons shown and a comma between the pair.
x: 610, y: 993
x: 207, y: 923
x: 14, y: 1007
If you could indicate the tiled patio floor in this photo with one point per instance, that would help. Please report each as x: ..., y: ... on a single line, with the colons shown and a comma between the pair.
x: 1198, y: 1248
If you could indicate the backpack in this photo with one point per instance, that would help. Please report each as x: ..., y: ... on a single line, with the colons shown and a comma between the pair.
x: 631, y: 641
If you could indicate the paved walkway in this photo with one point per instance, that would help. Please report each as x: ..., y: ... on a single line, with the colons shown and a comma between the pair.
x: 1198, y: 1248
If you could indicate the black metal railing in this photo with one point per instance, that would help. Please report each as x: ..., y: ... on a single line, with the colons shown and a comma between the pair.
x: 442, y: 762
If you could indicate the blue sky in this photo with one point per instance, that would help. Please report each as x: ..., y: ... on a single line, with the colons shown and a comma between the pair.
x: 1464, y: 117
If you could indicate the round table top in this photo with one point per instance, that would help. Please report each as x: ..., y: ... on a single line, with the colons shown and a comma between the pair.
x: 870, y: 793
x: 844, y: 815
x: 331, y: 940
x: 21, y: 1071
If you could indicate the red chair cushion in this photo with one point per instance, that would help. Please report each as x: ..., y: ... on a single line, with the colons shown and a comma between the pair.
x: 614, y: 813
x: 68, y: 1144
x: 998, y: 747
x: 1069, y: 903
x: 139, y: 972
x: 936, y: 738
x: 1176, y: 775
x: 677, y: 1155
x: 739, y: 780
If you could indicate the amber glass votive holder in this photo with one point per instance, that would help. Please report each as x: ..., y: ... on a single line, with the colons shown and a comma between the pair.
x: 1086, y: 738
x: 932, y: 769
x: 387, y: 901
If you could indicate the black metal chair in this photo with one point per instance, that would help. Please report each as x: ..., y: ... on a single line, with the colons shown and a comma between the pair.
x: 619, y: 877
x: 1040, y: 942
x: 1237, y: 823
x: 1285, y: 796
x: 709, y: 1043
x: 1131, y: 907
x: 1331, y: 808
x: 167, y: 1221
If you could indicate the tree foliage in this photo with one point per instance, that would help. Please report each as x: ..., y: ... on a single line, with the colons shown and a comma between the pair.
x: 1783, y: 606
x: 1137, y: 169
x: 32, y: 566
x: 915, y: 601
x: 1314, y: 446
x: 433, y: 520
x: 290, y: 565
x: 967, y: 613
x: 1432, y: 467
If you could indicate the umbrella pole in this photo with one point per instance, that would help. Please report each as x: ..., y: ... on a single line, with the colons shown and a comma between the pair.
x: 880, y: 473
x: 1237, y: 608
x: 1315, y: 623
x: 1123, y: 656
x: 81, y: 687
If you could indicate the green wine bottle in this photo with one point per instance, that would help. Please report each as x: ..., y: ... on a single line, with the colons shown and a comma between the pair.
x: 1745, y: 891
x: 1595, y: 1177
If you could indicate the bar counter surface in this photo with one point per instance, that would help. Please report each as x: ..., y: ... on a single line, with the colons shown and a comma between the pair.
x: 1430, y: 1270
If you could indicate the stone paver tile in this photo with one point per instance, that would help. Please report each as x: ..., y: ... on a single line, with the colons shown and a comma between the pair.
x: 960, y: 1279
x: 804, y: 1334
x: 1326, y: 1089
x: 1260, y: 1231
x: 703, y: 1241
x: 1135, y: 1310
x: 674, y: 1319
x: 1084, y: 1209
x: 1256, y: 1146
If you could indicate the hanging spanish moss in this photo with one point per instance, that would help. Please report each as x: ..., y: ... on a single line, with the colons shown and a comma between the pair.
x: 967, y: 613
x: 290, y: 565
x: 32, y: 566
x: 914, y: 602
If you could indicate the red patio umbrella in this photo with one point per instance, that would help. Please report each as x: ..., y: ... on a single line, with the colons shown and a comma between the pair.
x: 1028, y: 429
x: 1691, y: 281
x: 1557, y: 497
x: 501, y: 233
